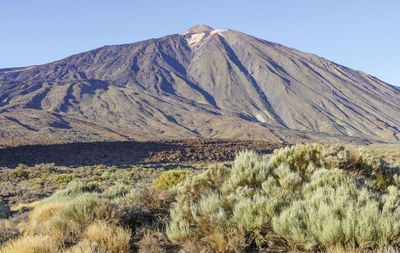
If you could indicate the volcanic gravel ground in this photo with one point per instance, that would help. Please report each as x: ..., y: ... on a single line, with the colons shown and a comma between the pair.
x: 170, y: 151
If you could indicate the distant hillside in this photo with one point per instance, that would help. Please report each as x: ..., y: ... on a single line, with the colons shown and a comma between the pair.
x: 203, y: 83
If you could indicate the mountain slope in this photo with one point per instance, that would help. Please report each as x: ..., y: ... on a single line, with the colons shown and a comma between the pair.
x: 201, y: 83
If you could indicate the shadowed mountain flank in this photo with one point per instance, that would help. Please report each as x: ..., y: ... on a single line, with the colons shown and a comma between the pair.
x: 202, y: 83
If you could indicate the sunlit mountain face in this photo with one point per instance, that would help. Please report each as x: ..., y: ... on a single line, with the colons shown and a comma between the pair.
x: 202, y: 83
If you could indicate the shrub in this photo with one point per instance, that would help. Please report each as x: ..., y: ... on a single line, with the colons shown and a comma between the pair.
x: 116, y: 191
x: 170, y: 178
x: 334, y: 209
x: 67, y: 222
x: 63, y: 178
x: 46, y: 167
x: 21, y: 172
x: 81, y: 218
x: 72, y: 190
x: 199, y: 215
x: 315, y: 196
x: 75, y: 188
x: 67, y: 213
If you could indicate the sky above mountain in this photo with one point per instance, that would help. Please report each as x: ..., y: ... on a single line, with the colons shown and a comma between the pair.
x: 360, y: 34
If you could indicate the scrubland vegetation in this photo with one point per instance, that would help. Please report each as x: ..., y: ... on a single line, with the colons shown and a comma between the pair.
x: 301, y: 198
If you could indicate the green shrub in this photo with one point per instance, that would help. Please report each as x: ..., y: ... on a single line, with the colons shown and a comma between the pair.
x: 76, y: 188
x: 314, y: 196
x: 21, y: 172
x: 63, y: 178
x: 335, y: 208
x: 116, y: 191
x: 170, y: 178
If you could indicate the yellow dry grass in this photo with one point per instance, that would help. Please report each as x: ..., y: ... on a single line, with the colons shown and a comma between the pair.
x: 41, y: 216
x: 109, y: 236
x: 86, y: 247
x: 151, y: 242
x: 30, y: 244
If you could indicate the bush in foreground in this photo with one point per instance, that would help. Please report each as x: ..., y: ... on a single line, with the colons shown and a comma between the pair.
x: 66, y: 222
x: 74, y: 219
x: 303, y: 197
x: 85, y: 218
x: 306, y: 197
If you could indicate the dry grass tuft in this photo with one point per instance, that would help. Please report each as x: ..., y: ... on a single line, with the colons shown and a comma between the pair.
x: 109, y: 236
x: 86, y: 247
x: 152, y: 242
x: 41, y: 217
x: 30, y: 244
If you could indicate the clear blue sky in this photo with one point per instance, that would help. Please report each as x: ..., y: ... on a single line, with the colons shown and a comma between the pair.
x: 361, y: 34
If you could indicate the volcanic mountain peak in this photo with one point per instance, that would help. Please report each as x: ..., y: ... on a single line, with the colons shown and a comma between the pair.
x: 198, y: 29
x: 199, y: 33
x: 201, y: 83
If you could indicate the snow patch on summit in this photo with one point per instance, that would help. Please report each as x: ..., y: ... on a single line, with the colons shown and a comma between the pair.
x: 195, y: 39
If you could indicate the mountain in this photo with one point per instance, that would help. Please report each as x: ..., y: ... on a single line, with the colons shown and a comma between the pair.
x: 201, y: 83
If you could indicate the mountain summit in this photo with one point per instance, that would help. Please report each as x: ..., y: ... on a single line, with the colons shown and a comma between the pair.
x: 203, y: 82
x: 199, y: 29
